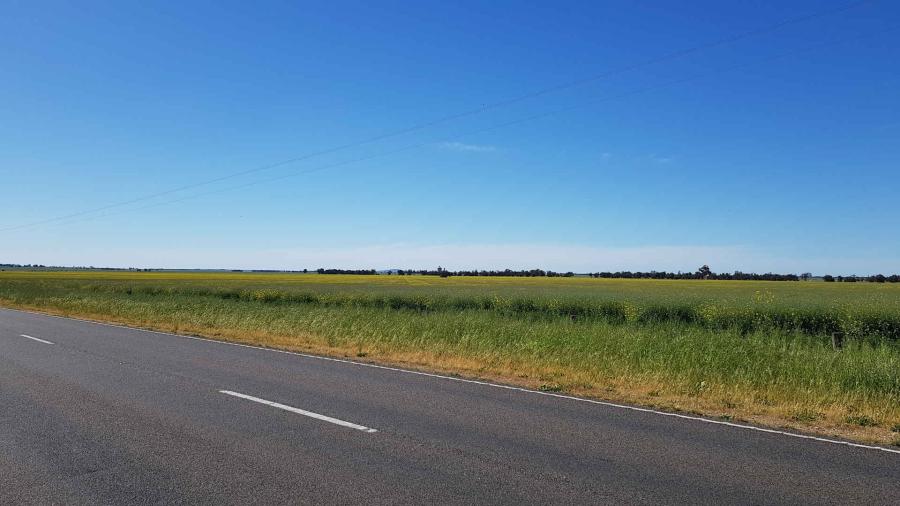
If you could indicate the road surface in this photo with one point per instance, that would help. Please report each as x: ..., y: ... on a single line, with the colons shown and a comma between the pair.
x: 99, y: 414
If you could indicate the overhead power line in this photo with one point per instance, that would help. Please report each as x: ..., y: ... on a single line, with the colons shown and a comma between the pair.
x: 471, y: 112
x: 506, y: 124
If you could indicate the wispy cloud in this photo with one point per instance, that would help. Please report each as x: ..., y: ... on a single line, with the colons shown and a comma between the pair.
x: 661, y: 159
x: 401, y: 255
x: 467, y: 148
x: 560, y: 257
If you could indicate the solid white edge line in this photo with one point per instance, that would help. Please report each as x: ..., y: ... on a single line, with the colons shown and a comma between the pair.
x: 485, y: 383
x: 299, y: 411
x: 35, y: 339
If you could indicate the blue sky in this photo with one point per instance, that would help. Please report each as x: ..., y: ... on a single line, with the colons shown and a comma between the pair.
x: 777, y: 152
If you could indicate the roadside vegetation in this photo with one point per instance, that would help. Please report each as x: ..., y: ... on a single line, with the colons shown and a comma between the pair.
x: 740, y: 350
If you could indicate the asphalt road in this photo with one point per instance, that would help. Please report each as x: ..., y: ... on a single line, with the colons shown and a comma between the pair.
x: 97, y: 414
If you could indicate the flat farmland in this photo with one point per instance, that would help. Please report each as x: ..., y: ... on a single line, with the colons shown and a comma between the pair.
x: 738, y: 350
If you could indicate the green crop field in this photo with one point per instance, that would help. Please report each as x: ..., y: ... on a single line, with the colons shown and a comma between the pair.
x: 758, y: 351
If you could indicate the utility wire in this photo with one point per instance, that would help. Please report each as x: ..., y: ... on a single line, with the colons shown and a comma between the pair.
x: 471, y: 112
x: 518, y: 121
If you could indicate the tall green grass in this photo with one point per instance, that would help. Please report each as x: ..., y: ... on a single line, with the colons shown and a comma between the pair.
x: 873, y: 317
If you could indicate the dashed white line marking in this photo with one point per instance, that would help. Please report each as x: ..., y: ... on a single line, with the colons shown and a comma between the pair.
x: 299, y: 411
x: 485, y: 383
x: 35, y: 339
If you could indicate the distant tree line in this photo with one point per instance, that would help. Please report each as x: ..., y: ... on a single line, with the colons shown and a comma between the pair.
x: 347, y: 271
x: 74, y: 267
x: 703, y: 272
x: 440, y: 271
x: 877, y: 278
x: 737, y: 275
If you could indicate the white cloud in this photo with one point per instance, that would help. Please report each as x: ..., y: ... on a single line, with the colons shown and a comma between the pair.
x: 452, y: 256
x: 467, y: 148
x: 558, y: 257
x: 661, y: 159
x: 522, y: 256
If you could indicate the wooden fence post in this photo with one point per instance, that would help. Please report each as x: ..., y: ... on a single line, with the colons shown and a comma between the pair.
x: 837, y: 340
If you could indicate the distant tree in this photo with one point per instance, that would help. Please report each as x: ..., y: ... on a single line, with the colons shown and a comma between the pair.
x: 704, y: 272
x: 828, y: 278
x: 806, y: 276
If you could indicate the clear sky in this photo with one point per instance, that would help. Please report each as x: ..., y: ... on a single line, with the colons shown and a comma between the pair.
x: 776, y: 152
